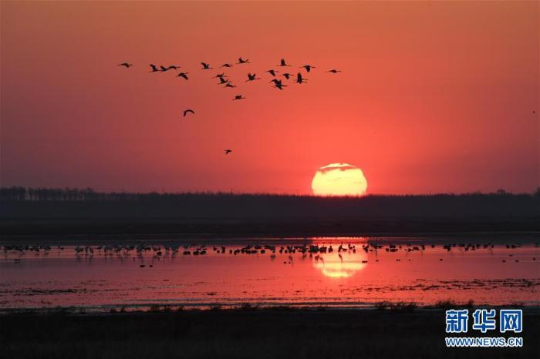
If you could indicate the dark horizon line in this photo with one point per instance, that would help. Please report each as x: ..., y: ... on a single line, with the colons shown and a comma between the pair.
x: 21, y: 191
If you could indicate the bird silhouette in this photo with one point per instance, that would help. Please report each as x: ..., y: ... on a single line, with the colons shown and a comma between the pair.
x: 227, y: 151
x: 205, y: 66
x: 226, y: 65
x: 218, y: 76
x: 153, y: 68
x: 283, y: 63
x: 229, y: 84
x: 252, y: 77
x: 308, y: 67
x: 222, y: 81
x: 173, y: 67
x: 188, y: 111
x: 334, y: 71
x: 278, y: 84
x: 163, y: 68
x: 238, y: 97
x: 127, y: 65
x: 183, y: 75
x: 299, y: 79
x: 272, y: 72
x: 287, y: 75
x: 242, y: 61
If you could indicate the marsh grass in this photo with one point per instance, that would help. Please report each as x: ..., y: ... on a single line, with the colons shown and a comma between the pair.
x: 450, y: 304
x: 397, y: 307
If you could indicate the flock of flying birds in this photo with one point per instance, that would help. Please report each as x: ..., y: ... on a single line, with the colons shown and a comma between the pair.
x: 277, y: 80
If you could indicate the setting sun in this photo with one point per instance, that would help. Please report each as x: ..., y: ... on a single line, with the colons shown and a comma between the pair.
x: 339, y: 179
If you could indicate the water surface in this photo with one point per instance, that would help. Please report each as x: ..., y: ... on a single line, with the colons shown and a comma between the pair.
x: 293, y: 272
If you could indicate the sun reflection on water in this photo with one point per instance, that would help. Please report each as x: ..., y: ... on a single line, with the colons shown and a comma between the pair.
x: 340, y: 265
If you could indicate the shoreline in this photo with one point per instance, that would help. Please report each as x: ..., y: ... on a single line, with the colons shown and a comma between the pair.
x: 159, y: 308
x: 499, y: 238
x: 137, y: 229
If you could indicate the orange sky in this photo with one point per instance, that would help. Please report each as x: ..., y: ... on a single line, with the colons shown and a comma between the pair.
x: 433, y: 97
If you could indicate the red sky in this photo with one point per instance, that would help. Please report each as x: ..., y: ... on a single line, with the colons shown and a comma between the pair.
x: 434, y: 97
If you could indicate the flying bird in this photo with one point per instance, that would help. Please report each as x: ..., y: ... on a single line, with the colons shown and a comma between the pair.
x: 272, y: 72
x: 127, y: 65
x: 229, y: 84
x: 238, y: 97
x: 242, y: 61
x: 308, y: 67
x: 153, y: 68
x: 334, y: 71
x: 183, y: 75
x: 278, y: 84
x: 220, y: 76
x: 222, y: 81
x: 205, y: 66
x: 226, y: 65
x: 287, y: 75
x: 283, y: 63
x: 227, y: 151
x: 163, y: 68
x: 299, y: 79
x: 188, y: 111
x: 173, y: 67
x: 252, y: 77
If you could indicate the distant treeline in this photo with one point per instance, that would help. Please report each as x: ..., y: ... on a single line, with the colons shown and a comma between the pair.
x: 18, y: 193
x: 20, y: 202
